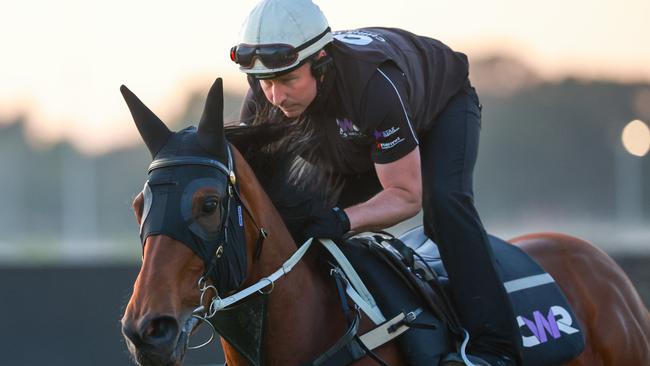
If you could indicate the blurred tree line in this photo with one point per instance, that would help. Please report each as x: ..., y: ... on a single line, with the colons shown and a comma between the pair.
x: 552, y: 148
x: 548, y: 149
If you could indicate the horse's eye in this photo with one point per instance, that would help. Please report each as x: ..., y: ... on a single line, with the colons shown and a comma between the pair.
x: 210, y: 205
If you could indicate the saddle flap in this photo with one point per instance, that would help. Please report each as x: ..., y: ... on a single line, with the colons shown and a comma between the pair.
x: 549, y: 330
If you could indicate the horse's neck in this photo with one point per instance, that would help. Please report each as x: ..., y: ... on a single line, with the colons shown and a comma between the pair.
x: 304, y: 316
x: 301, y: 301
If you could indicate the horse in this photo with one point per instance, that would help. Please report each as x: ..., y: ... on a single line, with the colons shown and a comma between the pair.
x: 304, y: 317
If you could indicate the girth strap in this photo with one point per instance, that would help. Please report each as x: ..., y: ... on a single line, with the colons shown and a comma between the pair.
x: 345, y: 351
x: 350, y: 347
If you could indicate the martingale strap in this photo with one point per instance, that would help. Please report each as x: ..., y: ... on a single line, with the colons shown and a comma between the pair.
x: 355, y: 287
x: 219, y: 303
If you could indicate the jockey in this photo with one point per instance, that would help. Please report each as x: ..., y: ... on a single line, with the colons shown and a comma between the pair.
x: 397, y: 117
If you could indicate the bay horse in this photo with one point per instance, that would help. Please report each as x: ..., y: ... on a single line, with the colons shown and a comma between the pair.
x: 304, y: 317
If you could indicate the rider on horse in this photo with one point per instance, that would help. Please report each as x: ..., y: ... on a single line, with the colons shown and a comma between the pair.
x: 399, y: 103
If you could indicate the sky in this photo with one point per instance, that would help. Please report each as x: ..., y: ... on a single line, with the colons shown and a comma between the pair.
x: 62, y: 62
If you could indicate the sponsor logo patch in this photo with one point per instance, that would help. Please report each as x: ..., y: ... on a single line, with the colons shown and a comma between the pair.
x: 386, y: 133
x: 347, y: 128
x: 389, y: 145
x: 555, y: 322
x: 358, y: 37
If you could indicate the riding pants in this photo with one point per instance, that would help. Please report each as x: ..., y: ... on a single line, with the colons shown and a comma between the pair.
x: 448, y: 155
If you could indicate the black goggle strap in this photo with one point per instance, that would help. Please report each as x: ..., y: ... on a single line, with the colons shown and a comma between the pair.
x: 313, y: 40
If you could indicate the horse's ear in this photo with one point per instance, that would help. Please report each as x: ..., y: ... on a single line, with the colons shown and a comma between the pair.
x: 152, y: 130
x: 211, y: 135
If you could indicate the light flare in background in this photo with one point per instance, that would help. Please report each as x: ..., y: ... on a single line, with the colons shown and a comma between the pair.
x: 636, y: 138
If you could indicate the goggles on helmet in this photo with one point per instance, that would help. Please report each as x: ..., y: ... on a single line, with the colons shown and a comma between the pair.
x: 273, y: 55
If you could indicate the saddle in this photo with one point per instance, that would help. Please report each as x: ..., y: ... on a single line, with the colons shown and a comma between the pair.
x: 407, y: 273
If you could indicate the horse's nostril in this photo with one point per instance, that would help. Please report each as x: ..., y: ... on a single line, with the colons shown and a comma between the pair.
x: 131, y: 334
x: 159, y: 330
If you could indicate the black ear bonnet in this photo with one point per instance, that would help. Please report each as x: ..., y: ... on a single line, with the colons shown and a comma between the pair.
x: 191, y: 193
x: 172, y: 207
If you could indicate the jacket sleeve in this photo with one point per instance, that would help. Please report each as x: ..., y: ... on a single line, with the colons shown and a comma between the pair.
x: 387, y: 118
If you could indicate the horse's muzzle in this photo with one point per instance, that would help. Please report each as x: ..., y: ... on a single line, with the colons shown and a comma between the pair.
x: 155, y: 341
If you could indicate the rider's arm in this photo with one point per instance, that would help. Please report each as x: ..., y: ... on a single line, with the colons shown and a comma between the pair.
x: 395, y: 154
x: 400, y: 199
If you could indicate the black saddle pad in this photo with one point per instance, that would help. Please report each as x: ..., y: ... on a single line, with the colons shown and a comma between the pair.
x: 550, y: 333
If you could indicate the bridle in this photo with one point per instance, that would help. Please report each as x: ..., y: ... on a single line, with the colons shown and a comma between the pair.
x: 201, y: 313
x: 348, y: 346
x: 210, y: 314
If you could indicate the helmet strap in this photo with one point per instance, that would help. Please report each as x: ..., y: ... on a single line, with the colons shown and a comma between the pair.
x: 321, y: 64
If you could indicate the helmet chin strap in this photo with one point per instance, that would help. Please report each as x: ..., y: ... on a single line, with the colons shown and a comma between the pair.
x: 324, y: 72
x: 321, y: 65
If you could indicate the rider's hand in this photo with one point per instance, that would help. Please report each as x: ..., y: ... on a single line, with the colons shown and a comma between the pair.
x: 330, y: 223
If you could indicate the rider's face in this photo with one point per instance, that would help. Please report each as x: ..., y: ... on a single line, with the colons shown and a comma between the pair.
x: 292, y: 92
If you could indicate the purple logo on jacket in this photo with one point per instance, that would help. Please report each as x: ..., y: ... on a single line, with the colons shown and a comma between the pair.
x: 347, y: 128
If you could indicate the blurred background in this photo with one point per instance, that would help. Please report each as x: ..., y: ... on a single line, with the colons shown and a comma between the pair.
x: 566, y: 94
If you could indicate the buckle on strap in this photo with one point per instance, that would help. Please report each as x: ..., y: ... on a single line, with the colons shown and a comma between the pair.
x: 389, y: 330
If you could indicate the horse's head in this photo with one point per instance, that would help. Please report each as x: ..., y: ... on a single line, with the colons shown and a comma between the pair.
x: 191, y: 229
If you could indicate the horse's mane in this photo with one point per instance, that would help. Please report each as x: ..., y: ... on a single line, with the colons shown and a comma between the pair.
x: 289, y: 156
x: 285, y: 159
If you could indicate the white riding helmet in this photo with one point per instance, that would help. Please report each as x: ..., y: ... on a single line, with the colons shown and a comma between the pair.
x: 279, y: 36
